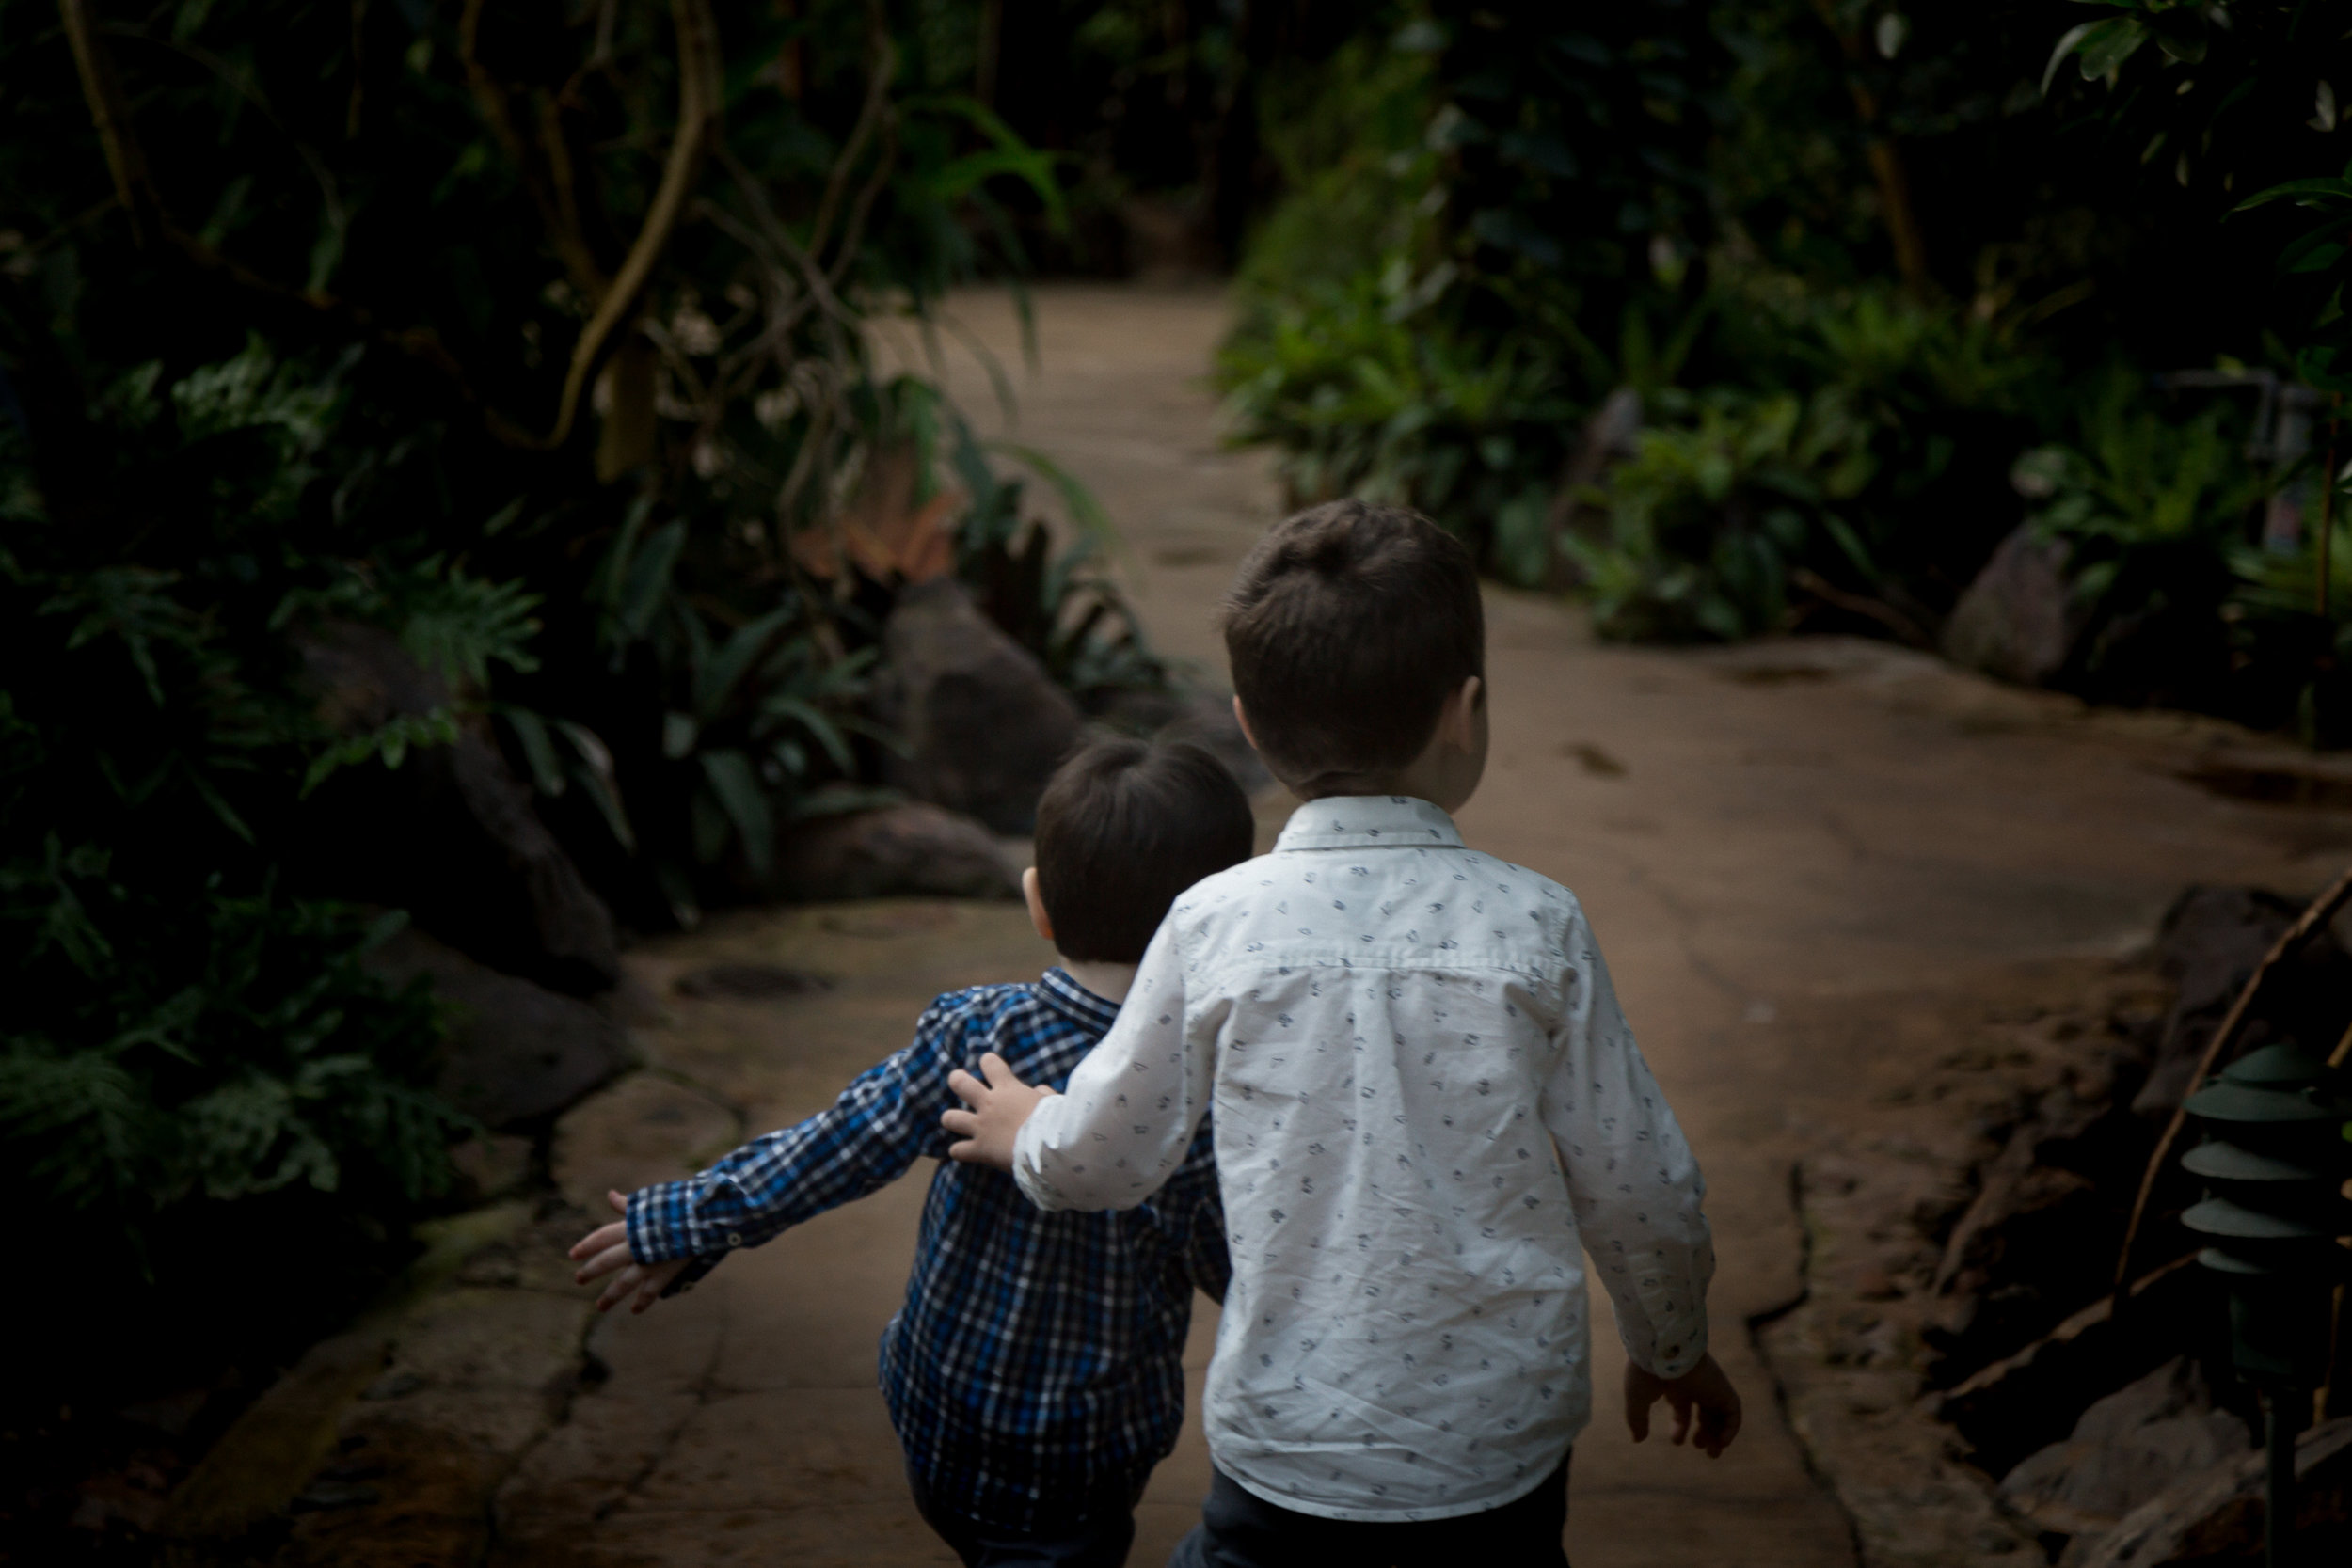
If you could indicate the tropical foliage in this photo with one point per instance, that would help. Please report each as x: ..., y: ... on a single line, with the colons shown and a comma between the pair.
x: 538, y: 339
x: 1855, y: 260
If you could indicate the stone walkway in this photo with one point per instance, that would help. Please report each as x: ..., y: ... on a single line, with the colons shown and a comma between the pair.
x: 1755, y: 834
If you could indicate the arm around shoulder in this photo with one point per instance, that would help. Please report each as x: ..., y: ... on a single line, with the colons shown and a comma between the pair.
x: 1125, y: 1123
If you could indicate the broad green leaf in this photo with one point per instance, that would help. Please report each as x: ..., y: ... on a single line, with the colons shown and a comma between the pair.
x: 538, y: 749
x: 2108, y: 44
x: 818, y: 726
x: 716, y: 680
x: 648, y: 582
x: 592, y: 769
x: 2327, y: 185
x: 735, y: 785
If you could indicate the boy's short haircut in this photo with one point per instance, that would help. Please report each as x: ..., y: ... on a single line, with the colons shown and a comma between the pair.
x: 1123, y: 827
x: 1347, y: 628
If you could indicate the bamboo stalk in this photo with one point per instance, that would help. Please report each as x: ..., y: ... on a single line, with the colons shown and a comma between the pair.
x: 110, y: 116
x: 1886, y: 161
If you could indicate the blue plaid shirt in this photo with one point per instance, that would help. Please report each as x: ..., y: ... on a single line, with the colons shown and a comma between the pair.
x: 1039, y: 1359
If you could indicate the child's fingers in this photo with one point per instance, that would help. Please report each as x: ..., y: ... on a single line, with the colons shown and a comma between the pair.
x: 1636, y: 1414
x: 1723, y: 1425
x: 619, y: 1290
x: 1682, y: 1408
x: 620, y: 1203
x: 963, y: 1124
x: 1001, y: 1076
x: 598, y: 1240
x: 967, y: 1152
x: 967, y: 1088
x: 1717, y: 1424
x: 603, y: 1263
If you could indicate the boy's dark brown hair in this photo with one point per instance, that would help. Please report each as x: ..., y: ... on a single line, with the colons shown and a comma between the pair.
x: 1347, y: 628
x: 1123, y: 827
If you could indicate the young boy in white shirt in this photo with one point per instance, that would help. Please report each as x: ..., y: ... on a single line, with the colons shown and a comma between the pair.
x: 1425, y: 1098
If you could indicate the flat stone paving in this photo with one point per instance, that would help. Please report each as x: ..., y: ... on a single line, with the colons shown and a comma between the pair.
x: 1750, y: 828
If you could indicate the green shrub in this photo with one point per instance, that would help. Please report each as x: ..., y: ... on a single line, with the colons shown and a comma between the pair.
x: 196, y: 1070
x: 1857, y: 479
x: 1707, y: 520
x: 2144, y: 503
x: 1346, y: 138
x: 1366, y: 390
x: 540, y: 343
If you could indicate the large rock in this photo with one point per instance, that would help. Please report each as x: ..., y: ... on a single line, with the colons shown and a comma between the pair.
x: 2215, y: 1515
x: 984, y: 723
x: 910, y: 849
x: 450, y: 835
x: 2016, y: 621
x: 2211, y: 941
x: 517, y: 1052
x: 2125, y: 1451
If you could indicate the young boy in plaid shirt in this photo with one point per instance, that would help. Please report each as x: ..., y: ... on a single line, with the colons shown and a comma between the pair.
x: 1035, y: 1374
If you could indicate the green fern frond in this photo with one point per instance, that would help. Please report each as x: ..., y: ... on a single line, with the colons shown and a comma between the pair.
x: 459, y: 625
x: 78, y: 1124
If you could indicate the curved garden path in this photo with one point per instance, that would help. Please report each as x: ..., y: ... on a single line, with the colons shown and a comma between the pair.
x: 1755, y: 832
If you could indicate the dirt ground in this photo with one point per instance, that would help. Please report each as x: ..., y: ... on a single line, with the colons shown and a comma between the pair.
x: 1757, y: 833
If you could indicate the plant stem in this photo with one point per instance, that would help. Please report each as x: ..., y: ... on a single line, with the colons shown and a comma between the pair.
x: 2327, y: 502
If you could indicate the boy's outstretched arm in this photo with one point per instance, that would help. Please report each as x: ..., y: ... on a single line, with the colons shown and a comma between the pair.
x: 880, y: 1126
x: 1704, y: 1390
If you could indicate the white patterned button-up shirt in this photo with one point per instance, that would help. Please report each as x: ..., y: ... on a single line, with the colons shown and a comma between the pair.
x: 1425, y: 1098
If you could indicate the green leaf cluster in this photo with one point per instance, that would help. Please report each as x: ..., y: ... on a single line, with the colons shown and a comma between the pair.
x: 538, y: 341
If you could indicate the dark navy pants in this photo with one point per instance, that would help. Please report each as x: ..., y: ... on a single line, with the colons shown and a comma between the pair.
x: 1240, y: 1529
x: 1098, y: 1537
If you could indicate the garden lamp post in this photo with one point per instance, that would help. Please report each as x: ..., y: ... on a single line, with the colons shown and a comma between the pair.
x: 2274, y: 1161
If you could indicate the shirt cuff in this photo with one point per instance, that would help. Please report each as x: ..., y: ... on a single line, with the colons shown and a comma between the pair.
x: 693, y: 1275
x: 662, y: 1226
x: 1676, y: 1352
x: 1027, y: 1149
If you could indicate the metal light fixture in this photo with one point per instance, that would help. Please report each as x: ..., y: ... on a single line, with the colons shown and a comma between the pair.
x: 2274, y: 1162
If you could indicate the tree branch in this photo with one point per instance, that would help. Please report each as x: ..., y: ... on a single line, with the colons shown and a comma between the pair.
x: 868, y: 116
x: 549, y: 186
x: 700, y: 97
x: 102, y: 90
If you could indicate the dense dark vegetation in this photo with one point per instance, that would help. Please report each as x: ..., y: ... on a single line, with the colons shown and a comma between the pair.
x: 536, y: 337
x: 1872, y: 284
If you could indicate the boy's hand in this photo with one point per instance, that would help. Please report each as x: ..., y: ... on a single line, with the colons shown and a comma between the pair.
x: 605, y: 1249
x: 1703, y: 1388
x: 999, y: 1107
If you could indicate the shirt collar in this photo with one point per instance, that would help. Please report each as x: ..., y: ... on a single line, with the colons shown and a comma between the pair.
x: 1083, y: 1007
x: 1368, y: 821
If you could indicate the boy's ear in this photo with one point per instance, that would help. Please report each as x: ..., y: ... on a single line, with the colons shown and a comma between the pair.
x: 1241, y: 717
x: 1038, y: 917
x: 1457, y: 720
